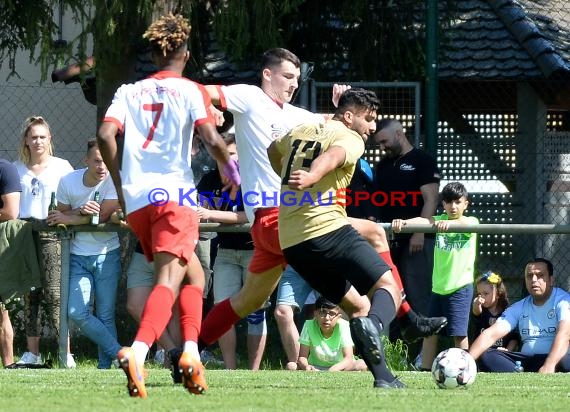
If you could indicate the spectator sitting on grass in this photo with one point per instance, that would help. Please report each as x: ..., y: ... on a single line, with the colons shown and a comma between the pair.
x: 488, y: 306
x: 326, y: 343
x: 543, y: 321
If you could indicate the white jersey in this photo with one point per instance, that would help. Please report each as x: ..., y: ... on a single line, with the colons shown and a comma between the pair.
x: 37, y: 189
x: 157, y: 116
x: 259, y: 120
x: 538, y: 325
x: 73, y: 192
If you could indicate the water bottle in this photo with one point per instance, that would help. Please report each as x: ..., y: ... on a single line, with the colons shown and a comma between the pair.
x: 95, y: 216
x: 518, y: 366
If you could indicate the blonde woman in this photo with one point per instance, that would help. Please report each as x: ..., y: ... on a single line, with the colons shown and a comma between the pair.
x: 40, y: 172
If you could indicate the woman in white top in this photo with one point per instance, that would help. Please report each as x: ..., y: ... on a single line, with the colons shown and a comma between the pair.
x: 40, y: 172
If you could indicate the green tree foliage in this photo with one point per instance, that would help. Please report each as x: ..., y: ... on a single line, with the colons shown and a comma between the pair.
x: 246, y: 28
x: 116, y: 27
x: 356, y: 40
x: 31, y: 25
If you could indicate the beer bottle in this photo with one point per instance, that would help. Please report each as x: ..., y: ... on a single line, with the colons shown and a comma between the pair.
x: 95, y: 216
x: 52, y: 203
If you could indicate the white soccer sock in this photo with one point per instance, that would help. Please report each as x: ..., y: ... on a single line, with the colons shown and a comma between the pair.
x: 141, y: 350
x: 192, y: 347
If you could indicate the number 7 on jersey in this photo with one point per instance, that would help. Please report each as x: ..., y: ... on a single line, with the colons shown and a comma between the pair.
x: 157, y: 109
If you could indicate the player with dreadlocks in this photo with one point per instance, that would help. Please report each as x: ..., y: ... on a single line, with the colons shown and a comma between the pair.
x: 157, y: 116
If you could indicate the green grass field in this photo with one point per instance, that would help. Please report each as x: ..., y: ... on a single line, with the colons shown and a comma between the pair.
x: 89, y: 389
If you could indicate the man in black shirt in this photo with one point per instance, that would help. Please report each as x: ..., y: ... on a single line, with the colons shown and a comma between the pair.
x: 403, y: 173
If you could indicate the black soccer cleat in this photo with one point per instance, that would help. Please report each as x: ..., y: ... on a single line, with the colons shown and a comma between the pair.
x: 366, y: 337
x: 422, y: 327
x: 395, y: 384
x: 175, y: 355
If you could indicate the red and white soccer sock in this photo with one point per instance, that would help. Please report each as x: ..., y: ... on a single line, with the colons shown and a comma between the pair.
x: 190, y: 304
x: 156, y: 314
x: 218, y: 321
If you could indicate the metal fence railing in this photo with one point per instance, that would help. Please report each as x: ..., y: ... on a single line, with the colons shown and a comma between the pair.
x: 514, y: 163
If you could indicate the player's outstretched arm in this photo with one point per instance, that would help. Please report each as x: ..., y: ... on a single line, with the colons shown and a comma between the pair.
x: 337, y: 91
x: 214, y: 93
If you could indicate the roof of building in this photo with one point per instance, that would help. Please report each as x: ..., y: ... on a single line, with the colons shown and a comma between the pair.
x: 480, y: 40
x: 506, y: 39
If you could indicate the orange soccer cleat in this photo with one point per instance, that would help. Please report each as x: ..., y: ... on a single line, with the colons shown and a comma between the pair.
x: 193, y: 376
x: 135, y: 373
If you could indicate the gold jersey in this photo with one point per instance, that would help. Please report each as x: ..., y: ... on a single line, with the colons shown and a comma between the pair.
x: 315, y: 211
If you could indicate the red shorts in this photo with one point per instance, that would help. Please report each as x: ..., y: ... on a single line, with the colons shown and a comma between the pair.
x: 170, y: 228
x: 267, y: 251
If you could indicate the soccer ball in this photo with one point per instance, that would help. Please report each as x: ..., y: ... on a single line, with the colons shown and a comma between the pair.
x: 454, y: 368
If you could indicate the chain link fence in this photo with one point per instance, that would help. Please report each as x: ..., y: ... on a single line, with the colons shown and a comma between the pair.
x: 73, y: 121
x: 70, y: 117
x: 504, y: 122
x: 512, y: 175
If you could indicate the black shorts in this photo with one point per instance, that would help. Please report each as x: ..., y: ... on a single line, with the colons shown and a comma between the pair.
x: 333, y: 262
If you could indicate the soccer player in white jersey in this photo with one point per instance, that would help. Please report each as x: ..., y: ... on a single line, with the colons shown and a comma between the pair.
x: 261, y: 115
x: 156, y: 117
